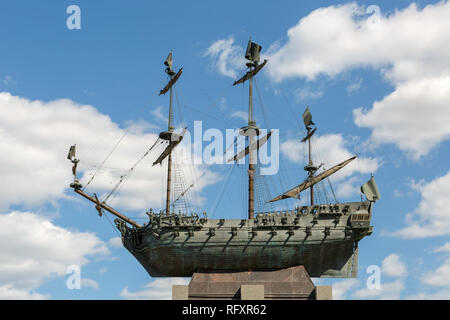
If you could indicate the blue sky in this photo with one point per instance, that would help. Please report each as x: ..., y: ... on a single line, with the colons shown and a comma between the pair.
x: 377, y: 83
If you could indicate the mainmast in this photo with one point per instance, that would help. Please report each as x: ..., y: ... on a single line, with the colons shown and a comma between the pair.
x: 169, y: 135
x: 251, y: 130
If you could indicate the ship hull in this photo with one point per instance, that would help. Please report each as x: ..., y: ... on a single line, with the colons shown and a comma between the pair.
x: 332, y: 259
x: 325, y: 244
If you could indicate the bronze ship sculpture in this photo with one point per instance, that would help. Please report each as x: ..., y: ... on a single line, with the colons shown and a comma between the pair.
x: 322, y: 237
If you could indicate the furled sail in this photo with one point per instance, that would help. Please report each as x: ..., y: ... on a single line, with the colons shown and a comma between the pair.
x: 255, y: 145
x: 169, y: 148
x: 171, y: 82
x: 370, y: 190
x: 309, y: 135
x: 292, y: 193
x: 169, y: 61
x: 252, y: 52
x: 307, y: 118
x: 250, y: 73
x: 71, y: 154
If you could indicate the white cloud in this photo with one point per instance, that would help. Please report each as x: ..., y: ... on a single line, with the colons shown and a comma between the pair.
x: 86, y: 283
x: 308, y: 94
x: 387, y: 291
x: 349, y: 187
x: 158, y: 289
x: 335, y: 39
x: 157, y: 113
x: 415, y: 116
x: 439, y: 277
x: 354, y: 86
x: 222, y: 103
x: 438, y: 295
x: 115, y: 242
x: 7, y: 80
x: 431, y: 217
x: 34, y: 249
x: 240, y: 114
x: 393, y: 266
x: 331, y: 149
x: 9, y: 292
x: 436, y: 278
x: 326, y: 41
x: 227, y: 58
x: 444, y: 248
x: 341, y: 288
x: 36, y: 135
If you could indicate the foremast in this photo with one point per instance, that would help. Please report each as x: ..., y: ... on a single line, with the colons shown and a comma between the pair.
x: 169, y: 135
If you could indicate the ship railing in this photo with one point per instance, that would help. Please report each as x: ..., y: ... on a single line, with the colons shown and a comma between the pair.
x: 163, y: 215
x: 277, y: 213
x: 360, y: 217
x: 360, y: 220
x: 318, y: 209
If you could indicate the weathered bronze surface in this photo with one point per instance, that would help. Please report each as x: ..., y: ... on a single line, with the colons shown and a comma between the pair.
x: 322, y: 238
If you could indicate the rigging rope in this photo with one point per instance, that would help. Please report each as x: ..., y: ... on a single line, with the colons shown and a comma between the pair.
x: 124, y: 176
x: 196, y: 192
x: 179, y: 107
x: 290, y: 109
x: 223, y: 119
x: 244, y: 179
x: 266, y: 121
x: 107, y: 157
x: 162, y: 187
x: 184, y: 190
x: 320, y: 185
x: 188, y: 188
x: 112, y: 226
x: 332, y: 190
x: 219, y: 196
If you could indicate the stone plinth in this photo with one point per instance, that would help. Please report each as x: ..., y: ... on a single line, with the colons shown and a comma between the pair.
x: 289, y: 283
x: 324, y: 293
x: 180, y: 292
x: 252, y: 292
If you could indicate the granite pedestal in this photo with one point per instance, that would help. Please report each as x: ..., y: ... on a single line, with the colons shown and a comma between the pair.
x: 284, y: 284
